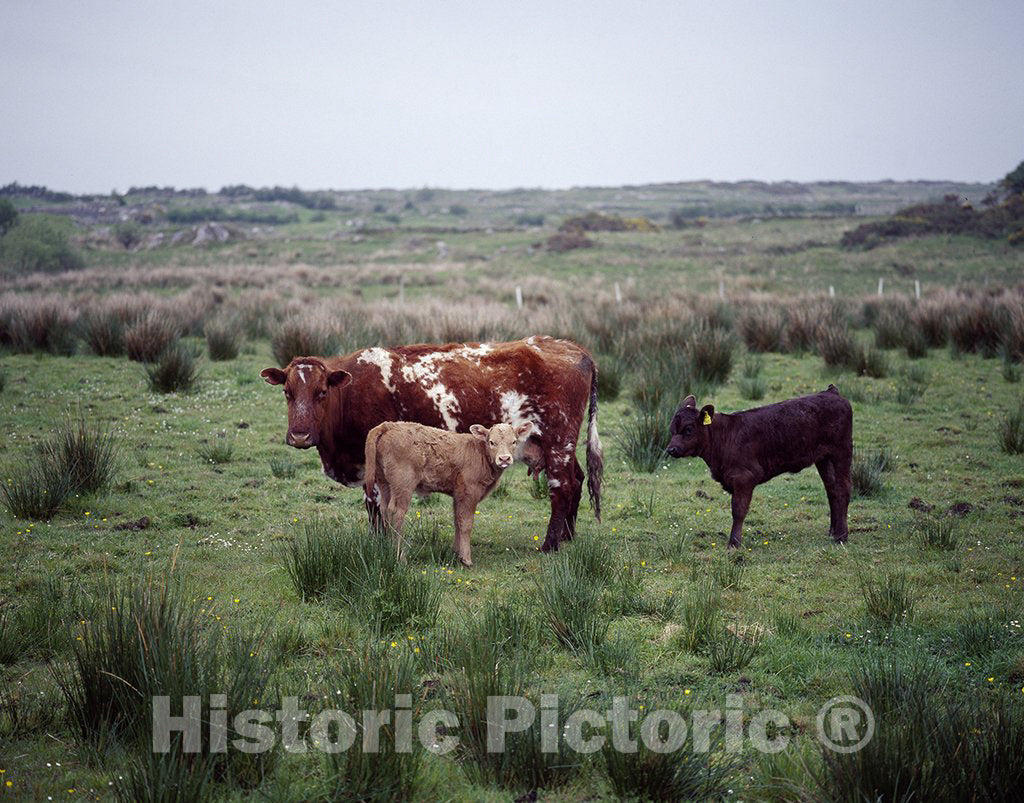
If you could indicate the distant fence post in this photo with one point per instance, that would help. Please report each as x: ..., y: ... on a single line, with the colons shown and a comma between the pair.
x: 721, y: 288
x: 618, y: 293
x: 881, y: 286
x: 831, y: 291
x: 917, y: 289
x: 519, y: 296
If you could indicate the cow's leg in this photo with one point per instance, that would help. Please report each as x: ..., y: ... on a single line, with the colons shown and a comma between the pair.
x: 377, y: 505
x: 561, y: 484
x: 839, y: 497
x: 740, y: 504
x: 465, y: 509
x: 826, y: 468
x: 574, y: 501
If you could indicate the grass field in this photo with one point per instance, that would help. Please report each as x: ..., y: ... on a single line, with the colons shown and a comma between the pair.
x: 206, y: 500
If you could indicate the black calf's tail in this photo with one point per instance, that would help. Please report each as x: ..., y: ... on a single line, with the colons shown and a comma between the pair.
x: 595, y: 456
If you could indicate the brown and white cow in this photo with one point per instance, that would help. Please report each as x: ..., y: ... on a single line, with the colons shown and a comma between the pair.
x: 333, y: 403
x: 404, y: 458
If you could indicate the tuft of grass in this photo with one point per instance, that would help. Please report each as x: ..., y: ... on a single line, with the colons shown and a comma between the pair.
x: 699, y: 615
x: 938, y: 533
x: 150, y: 336
x: 731, y: 652
x: 763, y: 328
x: 1011, y: 431
x: 866, y: 472
x: 40, y: 625
x: 873, y: 362
x: 370, y: 679
x: 174, y: 371
x: 218, y: 449
x: 361, y: 572
x: 980, y: 632
x: 611, y: 376
x: 571, y: 600
x: 86, y: 454
x: 304, y: 336
x: 223, y: 339
x: 710, y: 350
x: 681, y: 774
x: 282, y: 469
x: 103, y: 332
x: 1010, y: 370
x: 538, y: 485
x: 888, y: 600
x: 645, y: 435
x: 38, y: 492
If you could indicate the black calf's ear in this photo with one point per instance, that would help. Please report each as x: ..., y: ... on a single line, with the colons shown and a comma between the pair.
x: 707, y: 414
x: 338, y: 379
x: 274, y: 376
x: 690, y: 401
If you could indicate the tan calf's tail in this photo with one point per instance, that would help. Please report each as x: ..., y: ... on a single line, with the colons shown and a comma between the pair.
x: 370, y: 476
x: 595, y: 456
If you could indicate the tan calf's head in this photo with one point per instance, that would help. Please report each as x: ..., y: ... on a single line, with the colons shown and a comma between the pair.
x: 501, y: 440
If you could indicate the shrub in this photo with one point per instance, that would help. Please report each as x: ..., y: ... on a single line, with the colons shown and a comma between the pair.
x: 148, y: 337
x: 174, y: 371
x: 1010, y: 370
x: 838, y: 347
x: 1011, y: 431
x: 874, y: 363
x: 37, y: 492
x: 888, y: 600
x: 223, y: 339
x: 562, y: 241
x: 892, y: 327
x: 977, y: 326
x: 932, y: 319
x: 39, y: 243
x: 103, y: 332
x: 916, y: 344
x: 304, y: 336
x: 763, y: 328
x: 128, y: 233
x: 753, y: 388
x: 645, y: 435
x: 8, y: 216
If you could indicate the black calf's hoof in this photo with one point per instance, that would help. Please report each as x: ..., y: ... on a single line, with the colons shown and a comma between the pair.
x: 549, y: 546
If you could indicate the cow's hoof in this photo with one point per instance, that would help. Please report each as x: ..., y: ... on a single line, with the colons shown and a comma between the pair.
x: 839, y: 539
x: 549, y: 545
x: 736, y: 545
x: 466, y: 562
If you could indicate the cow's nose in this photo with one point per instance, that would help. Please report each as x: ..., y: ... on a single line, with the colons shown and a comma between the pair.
x: 673, y: 451
x: 300, y: 439
x: 504, y: 460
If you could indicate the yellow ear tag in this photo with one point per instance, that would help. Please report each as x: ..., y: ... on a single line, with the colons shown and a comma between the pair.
x: 707, y: 419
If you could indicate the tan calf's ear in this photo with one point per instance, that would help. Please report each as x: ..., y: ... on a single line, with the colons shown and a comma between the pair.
x: 478, y: 432
x: 274, y: 376
x: 524, y: 429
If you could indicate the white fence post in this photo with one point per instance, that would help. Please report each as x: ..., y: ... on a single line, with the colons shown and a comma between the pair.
x: 721, y: 288
x: 519, y: 296
x: 618, y: 293
x: 881, y: 286
x: 917, y: 289
x: 831, y: 291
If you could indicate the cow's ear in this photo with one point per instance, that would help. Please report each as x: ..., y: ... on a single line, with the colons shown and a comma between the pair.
x: 478, y: 431
x: 524, y: 429
x: 707, y: 414
x: 690, y: 401
x: 274, y: 376
x: 338, y: 379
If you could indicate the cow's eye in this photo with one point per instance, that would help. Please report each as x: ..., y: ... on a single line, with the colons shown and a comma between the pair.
x: 688, y: 429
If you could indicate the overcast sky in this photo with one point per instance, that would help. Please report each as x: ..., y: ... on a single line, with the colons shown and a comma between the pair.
x: 98, y: 95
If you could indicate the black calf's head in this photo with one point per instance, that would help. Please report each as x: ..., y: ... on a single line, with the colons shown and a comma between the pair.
x: 689, y: 429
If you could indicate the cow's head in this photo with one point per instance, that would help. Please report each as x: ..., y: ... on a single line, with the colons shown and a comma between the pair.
x: 501, y: 441
x: 308, y: 385
x: 689, y: 429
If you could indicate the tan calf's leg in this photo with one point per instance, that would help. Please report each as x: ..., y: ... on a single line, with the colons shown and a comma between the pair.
x: 398, y: 506
x: 465, y: 508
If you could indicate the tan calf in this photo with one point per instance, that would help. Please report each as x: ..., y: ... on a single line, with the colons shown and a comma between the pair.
x: 403, y: 458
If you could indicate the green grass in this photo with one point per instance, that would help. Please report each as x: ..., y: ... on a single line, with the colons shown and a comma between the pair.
x: 250, y: 549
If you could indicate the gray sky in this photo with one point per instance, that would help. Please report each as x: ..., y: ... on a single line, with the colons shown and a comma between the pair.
x: 101, y: 95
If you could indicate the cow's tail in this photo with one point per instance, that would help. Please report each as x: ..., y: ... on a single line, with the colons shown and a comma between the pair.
x: 595, y: 455
x: 372, y: 498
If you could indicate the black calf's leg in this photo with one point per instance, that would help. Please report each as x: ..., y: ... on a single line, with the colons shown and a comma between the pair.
x: 828, y: 478
x: 740, y: 504
x: 843, y: 485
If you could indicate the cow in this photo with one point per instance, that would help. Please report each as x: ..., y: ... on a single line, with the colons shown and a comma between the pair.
x: 403, y: 458
x: 748, y: 448
x: 334, y: 402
